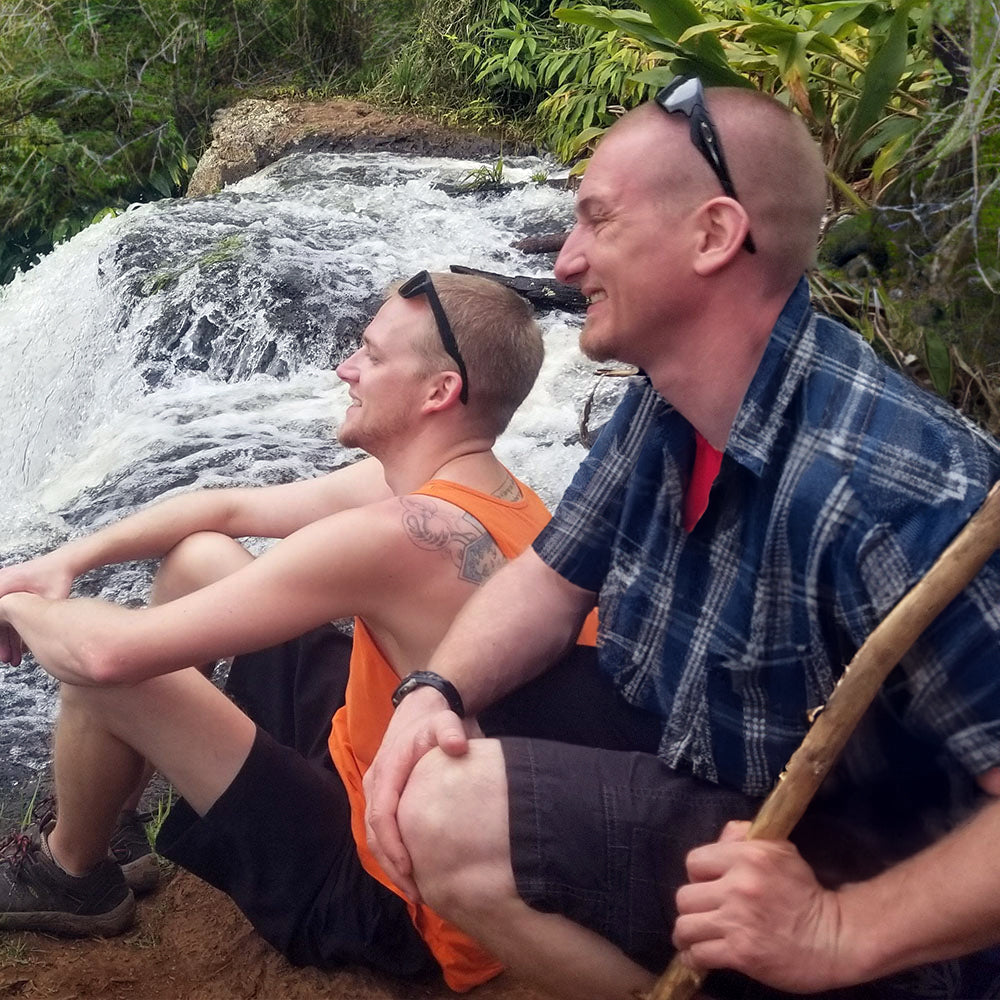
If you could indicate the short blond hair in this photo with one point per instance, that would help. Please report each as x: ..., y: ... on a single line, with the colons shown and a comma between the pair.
x: 498, y: 339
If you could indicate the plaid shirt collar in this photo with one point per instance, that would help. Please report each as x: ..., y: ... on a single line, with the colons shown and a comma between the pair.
x: 785, y: 363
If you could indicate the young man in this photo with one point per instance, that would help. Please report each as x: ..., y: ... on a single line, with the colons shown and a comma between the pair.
x: 400, y: 541
x: 758, y: 503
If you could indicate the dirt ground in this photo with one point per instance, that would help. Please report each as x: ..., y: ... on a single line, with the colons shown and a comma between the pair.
x: 190, y: 942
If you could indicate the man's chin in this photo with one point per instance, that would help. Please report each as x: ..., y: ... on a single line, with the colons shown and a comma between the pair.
x: 593, y: 348
x: 347, y: 437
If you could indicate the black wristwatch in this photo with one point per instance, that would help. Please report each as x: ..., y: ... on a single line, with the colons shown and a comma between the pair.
x: 427, y: 678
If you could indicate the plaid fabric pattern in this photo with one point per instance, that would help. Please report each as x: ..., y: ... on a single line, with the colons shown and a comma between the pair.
x: 841, y: 483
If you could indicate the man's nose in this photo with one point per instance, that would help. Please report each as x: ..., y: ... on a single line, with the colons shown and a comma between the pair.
x: 347, y: 370
x: 569, y: 264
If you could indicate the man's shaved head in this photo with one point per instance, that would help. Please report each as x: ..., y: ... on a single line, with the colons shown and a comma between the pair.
x: 776, y: 168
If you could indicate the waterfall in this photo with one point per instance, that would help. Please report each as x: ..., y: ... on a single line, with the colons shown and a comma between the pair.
x: 191, y: 343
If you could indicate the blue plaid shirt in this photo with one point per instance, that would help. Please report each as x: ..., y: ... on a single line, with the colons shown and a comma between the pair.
x: 840, y: 484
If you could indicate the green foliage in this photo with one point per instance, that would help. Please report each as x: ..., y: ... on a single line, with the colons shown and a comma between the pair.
x: 858, y: 72
x: 485, y: 178
x: 103, y: 102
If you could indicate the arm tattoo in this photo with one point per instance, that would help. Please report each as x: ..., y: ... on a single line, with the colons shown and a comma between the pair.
x: 459, y: 536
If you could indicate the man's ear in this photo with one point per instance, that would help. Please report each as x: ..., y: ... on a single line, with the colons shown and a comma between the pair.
x: 722, y: 227
x: 443, y: 392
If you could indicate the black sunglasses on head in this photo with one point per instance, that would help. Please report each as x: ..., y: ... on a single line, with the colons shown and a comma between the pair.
x: 421, y: 284
x: 686, y: 96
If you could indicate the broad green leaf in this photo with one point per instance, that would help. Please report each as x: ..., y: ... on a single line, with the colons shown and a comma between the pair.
x: 887, y: 131
x: 591, y: 17
x: 938, y: 359
x: 894, y: 151
x: 674, y: 17
x: 711, y: 74
x: 882, y: 75
x: 834, y: 17
x: 824, y: 44
x: 715, y: 27
x: 634, y: 23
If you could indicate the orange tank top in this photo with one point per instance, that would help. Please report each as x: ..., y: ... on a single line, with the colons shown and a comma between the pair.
x: 358, y: 727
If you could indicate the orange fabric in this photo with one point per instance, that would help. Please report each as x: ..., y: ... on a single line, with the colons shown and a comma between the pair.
x: 359, y: 726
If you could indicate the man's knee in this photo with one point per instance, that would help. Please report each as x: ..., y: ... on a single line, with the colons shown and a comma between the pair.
x: 453, y: 821
x: 195, y: 562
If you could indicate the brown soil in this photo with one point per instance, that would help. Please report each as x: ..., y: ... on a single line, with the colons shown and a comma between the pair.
x: 191, y: 943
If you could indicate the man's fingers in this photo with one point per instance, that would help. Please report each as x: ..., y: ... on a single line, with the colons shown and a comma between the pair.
x: 712, y: 861
x: 387, y: 846
x: 449, y: 734
x: 734, y: 830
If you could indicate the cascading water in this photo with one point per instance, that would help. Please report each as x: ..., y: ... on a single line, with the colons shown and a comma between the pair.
x: 191, y: 343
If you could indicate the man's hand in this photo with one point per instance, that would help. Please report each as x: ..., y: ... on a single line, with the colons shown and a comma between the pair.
x: 421, y: 722
x: 47, y: 576
x: 756, y: 907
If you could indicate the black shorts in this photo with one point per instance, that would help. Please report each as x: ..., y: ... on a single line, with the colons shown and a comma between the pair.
x: 278, y: 841
x: 599, y: 834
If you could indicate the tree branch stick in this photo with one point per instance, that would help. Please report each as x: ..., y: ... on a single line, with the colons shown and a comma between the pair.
x: 954, y: 569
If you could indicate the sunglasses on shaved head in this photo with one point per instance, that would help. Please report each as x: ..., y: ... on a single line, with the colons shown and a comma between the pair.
x: 421, y: 284
x: 686, y: 96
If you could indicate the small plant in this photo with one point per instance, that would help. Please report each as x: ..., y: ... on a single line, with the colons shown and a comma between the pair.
x: 159, y: 814
x: 540, y: 177
x: 14, y: 951
x: 485, y: 178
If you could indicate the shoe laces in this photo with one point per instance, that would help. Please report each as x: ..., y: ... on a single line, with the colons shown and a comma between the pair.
x: 15, y: 849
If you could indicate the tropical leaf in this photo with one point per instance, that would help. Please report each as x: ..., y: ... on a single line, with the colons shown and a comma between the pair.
x: 673, y: 17
x: 938, y: 359
x: 882, y: 74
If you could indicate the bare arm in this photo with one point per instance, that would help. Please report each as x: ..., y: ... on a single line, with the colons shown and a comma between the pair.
x: 508, y: 633
x: 271, y: 511
x: 329, y: 569
x: 755, y: 906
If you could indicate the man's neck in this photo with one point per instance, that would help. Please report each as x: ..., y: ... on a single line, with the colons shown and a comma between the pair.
x: 469, y: 463
x: 706, y: 379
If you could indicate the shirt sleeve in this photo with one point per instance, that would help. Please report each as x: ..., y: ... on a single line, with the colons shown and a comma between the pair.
x: 577, y: 542
x: 947, y: 687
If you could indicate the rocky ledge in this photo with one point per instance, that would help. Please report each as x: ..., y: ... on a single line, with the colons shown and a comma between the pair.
x: 253, y: 133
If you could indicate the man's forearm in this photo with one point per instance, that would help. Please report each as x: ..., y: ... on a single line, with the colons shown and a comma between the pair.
x: 940, y: 904
x: 152, y: 532
x: 74, y: 639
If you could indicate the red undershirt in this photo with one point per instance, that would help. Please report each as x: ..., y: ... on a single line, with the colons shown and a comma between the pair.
x: 707, y: 461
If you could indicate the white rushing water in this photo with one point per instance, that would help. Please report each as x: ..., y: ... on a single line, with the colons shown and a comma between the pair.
x: 191, y: 343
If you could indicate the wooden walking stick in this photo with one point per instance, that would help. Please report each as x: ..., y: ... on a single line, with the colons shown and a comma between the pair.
x: 881, y: 651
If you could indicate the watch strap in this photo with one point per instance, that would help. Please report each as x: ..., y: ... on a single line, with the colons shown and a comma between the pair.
x: 427, y: 678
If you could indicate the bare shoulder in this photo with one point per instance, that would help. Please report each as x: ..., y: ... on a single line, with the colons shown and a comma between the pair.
x: 436, y: 525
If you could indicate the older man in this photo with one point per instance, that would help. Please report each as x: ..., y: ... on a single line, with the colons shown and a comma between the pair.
x: 400, y: 541
x: 762, y: 497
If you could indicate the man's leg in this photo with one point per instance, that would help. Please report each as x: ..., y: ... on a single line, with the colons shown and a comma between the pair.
x: 60, y: 878
x: 193, y: 563
x: 194, y: 735
x: 462, y: 864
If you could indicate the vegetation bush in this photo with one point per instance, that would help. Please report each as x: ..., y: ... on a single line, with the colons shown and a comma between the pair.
x: 901, y: 94
x: 106, y: 102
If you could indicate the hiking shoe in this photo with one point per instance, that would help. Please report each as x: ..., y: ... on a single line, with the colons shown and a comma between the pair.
x: 130, y: 848
x: 37, y: 895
